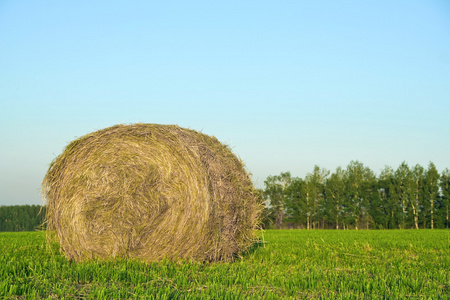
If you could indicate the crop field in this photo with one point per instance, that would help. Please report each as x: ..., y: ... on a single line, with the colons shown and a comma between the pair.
x: 290, y: 264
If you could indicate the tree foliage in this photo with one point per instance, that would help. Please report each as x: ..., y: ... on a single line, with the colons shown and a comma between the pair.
x: 21, y: 217
x: 355, y: 198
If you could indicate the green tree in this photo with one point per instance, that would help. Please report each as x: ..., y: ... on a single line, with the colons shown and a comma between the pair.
x: 418, y: 175
x: 404, y: 188
x: 360, y: 183
x: 315, y: 183
x: 377, y: 210
x: 388, y: 203
x: 275, y: 192
x: 431, y: 188
x: 445, y: 190
x: 335, y: 196
x: 296, y: 207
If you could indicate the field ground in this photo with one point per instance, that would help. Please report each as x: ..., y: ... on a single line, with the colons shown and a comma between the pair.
x: 292, y: 264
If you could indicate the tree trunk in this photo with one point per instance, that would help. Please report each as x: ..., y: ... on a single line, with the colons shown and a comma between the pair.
x: 279, y: 221
x: 416, y: 211
x: 308, y: 226
x: 416, y: 219
x: 403, y: 224
x: 307, y: 222
x: 337, y: 217
x: 432, y: 220
x: 447, y: 217
x: 357, y: 211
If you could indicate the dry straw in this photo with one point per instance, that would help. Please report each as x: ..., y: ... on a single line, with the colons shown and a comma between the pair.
x: 149, y: 192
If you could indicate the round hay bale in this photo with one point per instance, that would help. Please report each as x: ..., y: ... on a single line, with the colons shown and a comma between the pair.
x: 149, y: 192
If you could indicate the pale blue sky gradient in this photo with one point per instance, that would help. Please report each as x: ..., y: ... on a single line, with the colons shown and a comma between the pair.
x: 287, y: 84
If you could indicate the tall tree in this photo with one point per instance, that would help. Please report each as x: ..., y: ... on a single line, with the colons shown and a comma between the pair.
x: 404, y: 192
x: 360, y: 182
x: 335, y: 196
x: 275, y: 192
x: 418, y: 175
x: 315, y: 182
x: 445, y: 190
x: 296, y: 207
x: 431, y: 190
x: 388, y: 203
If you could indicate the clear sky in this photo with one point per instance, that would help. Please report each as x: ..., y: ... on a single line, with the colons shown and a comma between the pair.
x: 287, y: 84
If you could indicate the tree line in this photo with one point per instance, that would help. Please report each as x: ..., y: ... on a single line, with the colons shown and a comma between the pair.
x: 21, y: 217
x: 355, y: 198
x: 350, y: 198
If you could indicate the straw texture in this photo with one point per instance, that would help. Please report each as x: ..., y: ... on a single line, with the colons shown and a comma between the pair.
x: 149, y: 192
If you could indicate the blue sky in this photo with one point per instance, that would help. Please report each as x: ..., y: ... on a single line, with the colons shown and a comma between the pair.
x: 287, y: 84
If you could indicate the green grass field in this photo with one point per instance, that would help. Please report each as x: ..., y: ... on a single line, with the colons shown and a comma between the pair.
x: 292, y: 264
